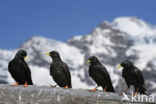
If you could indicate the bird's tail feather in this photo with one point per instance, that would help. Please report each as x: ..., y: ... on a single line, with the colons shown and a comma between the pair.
x: 70, y: 86
x: 30, y: 82
x: 142, y: 90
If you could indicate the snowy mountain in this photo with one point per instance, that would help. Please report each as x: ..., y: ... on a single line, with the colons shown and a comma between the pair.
x: 125, y: 38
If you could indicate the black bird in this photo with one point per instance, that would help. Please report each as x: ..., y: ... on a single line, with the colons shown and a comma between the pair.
x: 100, y: 75
x: 59, y: 70
x: 133, y: 76
x: 19, y: 69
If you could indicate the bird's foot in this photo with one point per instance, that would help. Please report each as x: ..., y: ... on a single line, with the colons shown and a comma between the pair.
x: 16, y: 84
x: 92, y: 90
x: 66, y: 87
x: 53, y: 85
x: 136, y: 93
x: 25, y: 85
x: 123, y: 93
x: 105, y: 89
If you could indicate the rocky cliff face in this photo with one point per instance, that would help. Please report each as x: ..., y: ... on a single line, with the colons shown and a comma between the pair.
x: 125, y: 38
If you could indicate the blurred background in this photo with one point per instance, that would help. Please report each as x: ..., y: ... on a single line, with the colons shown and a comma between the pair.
x: 111, y: 30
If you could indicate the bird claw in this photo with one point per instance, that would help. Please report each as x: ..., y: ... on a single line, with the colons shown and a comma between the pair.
x: 123, y: 93
x: 25, y: 85
x: 135, y: 94
x: 105, y: 89
x: 92, y: 90
x: 66, y: 87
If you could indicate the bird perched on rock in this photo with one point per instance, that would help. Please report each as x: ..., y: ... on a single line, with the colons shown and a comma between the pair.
x: 100, y: 75
x: 133, y: 76
x: 59, y: 70
x: 19, y: 69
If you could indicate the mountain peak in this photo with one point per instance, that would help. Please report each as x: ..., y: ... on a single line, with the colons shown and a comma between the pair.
x: 105, y: 25
x: 133, y: 20
x: 131, y: 25
x: 110, y: 42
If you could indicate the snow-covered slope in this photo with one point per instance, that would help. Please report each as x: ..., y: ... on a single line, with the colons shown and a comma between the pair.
x: 125, y: 38
x: 138, y: 29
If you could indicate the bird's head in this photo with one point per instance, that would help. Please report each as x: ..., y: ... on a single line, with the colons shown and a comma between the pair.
x: 92, y: 59
x: 21, y: 54
x: 54, y: 55
x: 125, y: 63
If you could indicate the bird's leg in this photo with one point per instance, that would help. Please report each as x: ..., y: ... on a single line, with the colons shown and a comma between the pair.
x: 124, y: 91
x: 105, y: 89
x: 136, y: 93
x: 94, y: 89
x: 25, y: 85
x: 66, y: 87
x: 16, y: 84
x: 53, y: 85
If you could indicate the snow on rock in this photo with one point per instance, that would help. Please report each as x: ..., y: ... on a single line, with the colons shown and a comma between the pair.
x: 125, y: 38
x: 43, y: 45
x: 134, y: 26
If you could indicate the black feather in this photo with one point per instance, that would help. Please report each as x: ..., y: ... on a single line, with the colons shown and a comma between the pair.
x: 133, y: 76
x: 60, y: 71
x: 99, y: 74
x: 19, y: 69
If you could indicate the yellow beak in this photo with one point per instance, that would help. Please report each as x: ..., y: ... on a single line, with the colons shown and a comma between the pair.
x: 25, y: 58
x: 88, y: 61
x: 119, y: 66
x: 48, y: 54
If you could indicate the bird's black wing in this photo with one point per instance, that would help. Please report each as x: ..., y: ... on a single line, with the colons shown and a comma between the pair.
x: 28, y: 72
x: 67, y: 73
x: 104, y: 74
x: 107, y: 75
x: 11, y: 68
x: 51, y: 67
x: 139, y: 76
x: 140, y: 82
x: 124, y: 75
